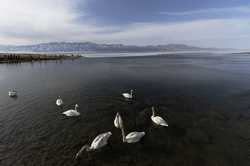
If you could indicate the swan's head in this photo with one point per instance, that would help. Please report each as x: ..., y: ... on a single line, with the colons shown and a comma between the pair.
x: 76, y: 106
x: 79, y: 153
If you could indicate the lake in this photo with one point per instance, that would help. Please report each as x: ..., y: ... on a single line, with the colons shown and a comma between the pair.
x: 204, y: 97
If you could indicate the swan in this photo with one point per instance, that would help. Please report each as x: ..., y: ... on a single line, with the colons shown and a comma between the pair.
x: 132, y: 137
x: 12, y: 93
x: 72, y: 112
x: 59, y: 101
x: 157, y: 119
x: 128, y: 95
x: 100, y: 141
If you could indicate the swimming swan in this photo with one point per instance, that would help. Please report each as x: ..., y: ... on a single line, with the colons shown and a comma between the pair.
x: 72, y: 112
x: 132, y: 137
x: 12, y: 93
x: 100, y: 141
x: 59, y: 101
x: 157, y: 119
x: 128, y: 95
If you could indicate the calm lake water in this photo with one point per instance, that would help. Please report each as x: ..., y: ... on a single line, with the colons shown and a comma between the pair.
x: 204, y: 97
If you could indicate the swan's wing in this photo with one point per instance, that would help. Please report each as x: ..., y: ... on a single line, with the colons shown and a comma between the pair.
x: 135, y: 134
x: 118, y: 121
x: 71, y: 113
x: 100, y: 140
x: 67, y: 112
x: 159, y: 120
x: 126, y: 95
x: 134, y: 137
x: 131, y: 135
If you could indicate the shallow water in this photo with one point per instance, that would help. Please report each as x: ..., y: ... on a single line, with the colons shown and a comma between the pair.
x: 204, y: 97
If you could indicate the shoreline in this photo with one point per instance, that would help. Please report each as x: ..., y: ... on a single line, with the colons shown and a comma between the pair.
x: 29, y: 57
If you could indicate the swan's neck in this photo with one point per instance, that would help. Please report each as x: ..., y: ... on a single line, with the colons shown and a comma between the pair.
x: 84, y: 148
x: 153, y: 111
x: 123, y: 135
x: 131, y: 93
x: 120, y: 121
x: 76, y: 108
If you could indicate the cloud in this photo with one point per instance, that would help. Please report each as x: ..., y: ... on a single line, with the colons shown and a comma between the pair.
x: 211, y: 11
x: 29, y: 21
x: 34, y: 15
x: 32, y: 21
x: 207, y: 33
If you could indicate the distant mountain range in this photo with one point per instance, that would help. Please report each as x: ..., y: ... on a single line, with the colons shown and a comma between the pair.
x: 89, y: 47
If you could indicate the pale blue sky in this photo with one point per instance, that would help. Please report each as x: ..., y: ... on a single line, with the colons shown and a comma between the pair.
x: 213, y: 23
x: 124, y: 12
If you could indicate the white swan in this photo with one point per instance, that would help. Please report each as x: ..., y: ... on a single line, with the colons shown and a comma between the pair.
x: 157, y: 119
x: 100, y: 141
x: 128, y: 95
x: 132, y: 137
x: 59, y: 101
x: 72, y: 112
x: 12, y: 93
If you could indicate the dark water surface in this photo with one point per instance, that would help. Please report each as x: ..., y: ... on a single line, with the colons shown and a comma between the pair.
x: 204, y: 97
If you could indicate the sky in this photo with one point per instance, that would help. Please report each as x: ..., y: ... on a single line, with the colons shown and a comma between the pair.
x: 210, y: 23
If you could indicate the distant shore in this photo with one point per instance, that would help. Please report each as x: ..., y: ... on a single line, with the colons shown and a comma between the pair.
x: 28, y: 57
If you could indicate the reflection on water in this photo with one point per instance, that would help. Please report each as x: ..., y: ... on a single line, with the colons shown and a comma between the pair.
x: 204, y: 97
